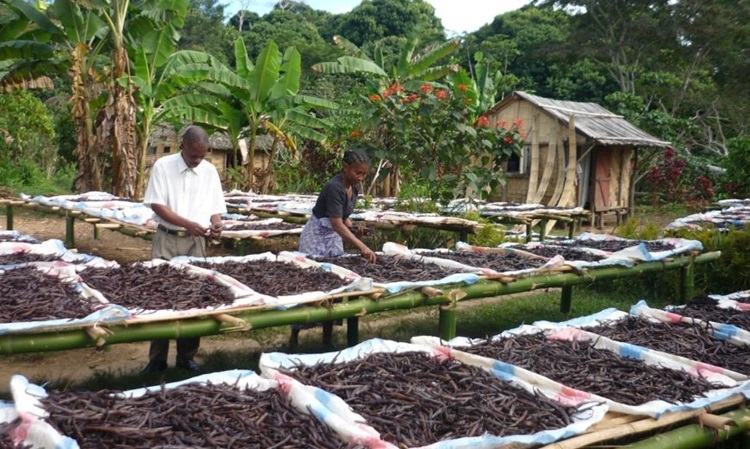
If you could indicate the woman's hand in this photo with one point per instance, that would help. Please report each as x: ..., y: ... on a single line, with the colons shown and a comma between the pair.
x: 368, y: 254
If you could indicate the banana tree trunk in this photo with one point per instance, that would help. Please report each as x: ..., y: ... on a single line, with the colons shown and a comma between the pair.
x: 268, y: 182
x: 89, y: 168
x: 142, y: 149
x: 117, y: 129
x: 250, y: 170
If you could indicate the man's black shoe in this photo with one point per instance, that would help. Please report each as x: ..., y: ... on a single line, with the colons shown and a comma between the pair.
x: 188, y: 365
x: 154, y: 367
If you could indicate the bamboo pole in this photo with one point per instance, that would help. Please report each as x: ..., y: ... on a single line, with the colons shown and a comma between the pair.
x: 687, y: 283
x: 644, y: 425
x: 9, y: 216
x: 207, y: 325
x: 695, y: 436
x: 70, y: 236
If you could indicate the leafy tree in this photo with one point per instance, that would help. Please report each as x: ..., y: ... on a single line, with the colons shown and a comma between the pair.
x: 435, y: 130
x: 373, y: 20
x: 289, y: 29
x: 27, y: 134
x: 205, y: 30
x: 738, y: 167
x: 529, y: 44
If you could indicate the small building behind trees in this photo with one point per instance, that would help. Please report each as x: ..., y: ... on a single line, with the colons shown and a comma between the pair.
x: 575, y: 154
x: 165, y: 141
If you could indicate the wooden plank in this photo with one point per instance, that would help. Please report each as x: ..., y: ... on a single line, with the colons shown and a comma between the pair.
x: 549, y: 168
x: 570, y: 172
x: 560, y: 182
x: 534, y: 165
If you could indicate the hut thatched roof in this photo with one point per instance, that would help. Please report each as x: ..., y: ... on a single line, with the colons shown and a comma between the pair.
x: 591, y: 120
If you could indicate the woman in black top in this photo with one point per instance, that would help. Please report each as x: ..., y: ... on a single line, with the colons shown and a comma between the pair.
x: 329, y: 226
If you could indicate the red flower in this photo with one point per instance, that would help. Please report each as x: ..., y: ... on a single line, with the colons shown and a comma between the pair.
x: 426, y: 88
x: 508, y: 140
x: 502, y: 124
x: 483, y: 121
x: 374, y: 98
x: 412, y: 98
x: 518, y: 123
x: 354, y: 134
x: 441, y: 94
x: 463, y: 87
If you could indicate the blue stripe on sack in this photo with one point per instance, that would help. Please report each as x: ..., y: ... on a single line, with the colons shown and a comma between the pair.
x: 503, y: 370
x: 323, y: 396
x: 725, y: 331
x: 632, y: 351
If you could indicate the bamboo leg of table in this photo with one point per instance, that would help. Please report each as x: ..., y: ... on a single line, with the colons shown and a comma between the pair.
x: 687, y: 282
x: 352, y: 331
x: 566, y: 298
x: 241, y: 247
x: 70, y: 239
x: 572, y: 228
x: 543, y: 229
x: 447, y: 321
x: 529, y: 232
x: 9, y: 217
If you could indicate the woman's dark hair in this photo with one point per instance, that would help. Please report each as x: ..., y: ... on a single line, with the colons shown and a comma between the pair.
x: 356, y: 157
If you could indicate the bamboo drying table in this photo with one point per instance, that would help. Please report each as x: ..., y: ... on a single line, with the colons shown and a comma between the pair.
x: 129, y: 229
x: 446, y: 298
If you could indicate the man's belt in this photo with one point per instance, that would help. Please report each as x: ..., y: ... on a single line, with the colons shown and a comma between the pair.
x: 178, y: 233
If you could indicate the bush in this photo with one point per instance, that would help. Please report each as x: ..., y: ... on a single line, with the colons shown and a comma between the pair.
x: 731, y: 272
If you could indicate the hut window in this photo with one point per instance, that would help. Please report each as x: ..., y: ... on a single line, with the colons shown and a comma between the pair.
x: 517, y: 162
x: 167, y: 149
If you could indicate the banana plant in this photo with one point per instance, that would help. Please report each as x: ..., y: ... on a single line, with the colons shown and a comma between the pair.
x: 148, y: 28
x: 154, y: 61
x: 411, y: 67
x: 249, y: 100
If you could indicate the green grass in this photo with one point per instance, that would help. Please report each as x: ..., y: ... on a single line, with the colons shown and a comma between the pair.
x: 477, y: 319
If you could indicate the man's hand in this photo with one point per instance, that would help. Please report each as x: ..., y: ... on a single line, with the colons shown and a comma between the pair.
x: 216, y: 229
x: 196, y: 230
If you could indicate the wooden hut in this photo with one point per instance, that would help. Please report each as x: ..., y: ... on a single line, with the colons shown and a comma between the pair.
x: 165, y: 140
x: 576, y: 154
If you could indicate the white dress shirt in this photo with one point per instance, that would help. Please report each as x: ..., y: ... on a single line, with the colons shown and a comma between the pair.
x: 192, y: 193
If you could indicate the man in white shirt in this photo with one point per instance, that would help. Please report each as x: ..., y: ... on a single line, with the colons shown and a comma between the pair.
x: 184, y: 191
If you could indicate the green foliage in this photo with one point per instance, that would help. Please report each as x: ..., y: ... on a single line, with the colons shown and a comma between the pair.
x: 376, y: 19
x: 636, y: 229
x: 415, y: 197
x: 731, y: 272
x: 28, y: 153
x: 738, y: 167
x: 435, y: 131
x: 490, y: 235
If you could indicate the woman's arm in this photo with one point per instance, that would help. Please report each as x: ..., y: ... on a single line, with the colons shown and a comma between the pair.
x: 340, y: 227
